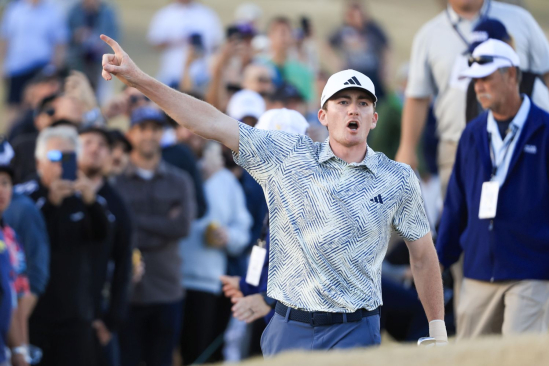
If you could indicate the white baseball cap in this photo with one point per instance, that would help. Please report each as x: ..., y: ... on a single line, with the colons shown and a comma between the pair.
x: 344, y: 80
x: 488, y: 57
x: 246, y: 103
x: 286, y: 120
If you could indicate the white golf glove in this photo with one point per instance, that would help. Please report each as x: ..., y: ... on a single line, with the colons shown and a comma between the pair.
x: 437, y: 330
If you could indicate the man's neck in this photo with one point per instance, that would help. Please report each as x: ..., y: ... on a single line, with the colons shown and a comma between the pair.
x: 509, y: 109
x: 97, y: 181
x: 145, y: 163
x: 353, y: 154
x: 469, y: 12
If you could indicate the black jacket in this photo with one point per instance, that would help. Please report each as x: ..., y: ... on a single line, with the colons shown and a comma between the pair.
x: 74, y: 230
x: 112, y: 263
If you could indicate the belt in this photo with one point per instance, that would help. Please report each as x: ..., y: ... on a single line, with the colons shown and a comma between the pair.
x: 317, y: 318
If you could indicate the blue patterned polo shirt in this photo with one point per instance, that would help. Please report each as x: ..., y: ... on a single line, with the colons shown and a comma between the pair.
x: 330, y: 221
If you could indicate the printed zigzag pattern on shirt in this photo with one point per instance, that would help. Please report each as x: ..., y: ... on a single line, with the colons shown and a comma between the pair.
x: 328, y: 239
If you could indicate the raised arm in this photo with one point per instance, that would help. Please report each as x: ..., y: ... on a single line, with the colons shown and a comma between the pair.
x: 197, y: 116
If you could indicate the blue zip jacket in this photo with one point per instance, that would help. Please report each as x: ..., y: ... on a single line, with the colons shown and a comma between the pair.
x: 515, y: 244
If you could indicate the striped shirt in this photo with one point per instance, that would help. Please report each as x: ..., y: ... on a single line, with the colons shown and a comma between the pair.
x: 330, y: 221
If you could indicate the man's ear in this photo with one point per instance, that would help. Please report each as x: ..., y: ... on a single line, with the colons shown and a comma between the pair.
x: 374, y: 120
x: 322, y: 117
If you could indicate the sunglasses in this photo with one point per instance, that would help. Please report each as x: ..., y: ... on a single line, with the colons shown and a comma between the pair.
x: 50, y: 111
x: 54, y: 156
x: 483, y: 60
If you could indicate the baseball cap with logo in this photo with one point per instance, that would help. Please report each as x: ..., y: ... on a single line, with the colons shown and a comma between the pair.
x: 488, y: 57
x: 347, y: 79
x: 489, y: 28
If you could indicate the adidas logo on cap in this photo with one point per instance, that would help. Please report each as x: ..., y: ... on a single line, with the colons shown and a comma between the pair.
x: 353, y: 81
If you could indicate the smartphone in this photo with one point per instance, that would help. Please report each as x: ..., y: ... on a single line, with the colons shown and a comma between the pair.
x: 306, y: 26
x: 68, y: 164
x: 233, y: 33
x: 197, y: 42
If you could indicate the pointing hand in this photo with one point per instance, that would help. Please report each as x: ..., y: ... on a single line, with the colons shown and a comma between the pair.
x: 119, y: 64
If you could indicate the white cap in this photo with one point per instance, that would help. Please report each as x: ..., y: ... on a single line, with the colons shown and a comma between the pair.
x: 504, y: 56
x: 248, y: 13
x: 344, y: 80
x: 246, y: 103
x: 286, y: 120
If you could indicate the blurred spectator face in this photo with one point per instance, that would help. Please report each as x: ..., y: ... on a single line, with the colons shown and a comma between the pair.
x: 145, y: 138
x: 465, y: 5
x: 45, y: 117
x: 280, y: 35
x: 68, y: 108
x: 135, y: 99
x: 95, y: 154
x: 50, y: 171
x: 258, y: 79
x: 195, y: 142
x: 119, y: 159
x: 212, y: 159
x: 354, y: 16
x: 350, y: 105
x: 6, y: 188
x: 493, y: 90
x: 91, y: 4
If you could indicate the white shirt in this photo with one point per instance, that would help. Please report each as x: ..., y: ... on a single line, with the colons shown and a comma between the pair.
x: 329, y: 221
x: 502, y: 150
x: 31, y: 32
x: 438, y: 58
x: 175, y: 23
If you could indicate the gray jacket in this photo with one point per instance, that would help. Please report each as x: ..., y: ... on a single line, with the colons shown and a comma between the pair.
x: 163, y: 209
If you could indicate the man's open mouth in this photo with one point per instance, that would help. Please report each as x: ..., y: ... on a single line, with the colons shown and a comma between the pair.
x: 353, y: 125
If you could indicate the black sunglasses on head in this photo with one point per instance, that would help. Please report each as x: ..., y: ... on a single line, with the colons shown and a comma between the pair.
x: 483, y: 60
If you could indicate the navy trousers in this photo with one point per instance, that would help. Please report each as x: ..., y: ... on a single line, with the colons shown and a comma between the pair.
x: 283, y: 335
x: 150, y: 334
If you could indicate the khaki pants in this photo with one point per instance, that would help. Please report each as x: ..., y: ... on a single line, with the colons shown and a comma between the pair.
x: 445, y: 160
x: 506, y: 308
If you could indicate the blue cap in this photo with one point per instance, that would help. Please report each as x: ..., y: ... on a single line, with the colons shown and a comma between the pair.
x: 489, y: 28
x: 146, y: 114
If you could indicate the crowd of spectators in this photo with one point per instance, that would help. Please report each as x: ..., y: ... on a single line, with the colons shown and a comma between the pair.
x: 130, y: 245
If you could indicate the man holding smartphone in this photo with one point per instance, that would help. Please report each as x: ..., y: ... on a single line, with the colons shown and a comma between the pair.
x: 76, y: 221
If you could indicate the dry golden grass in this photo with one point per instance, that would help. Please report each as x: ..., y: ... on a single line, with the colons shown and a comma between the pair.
x: 528, y: 350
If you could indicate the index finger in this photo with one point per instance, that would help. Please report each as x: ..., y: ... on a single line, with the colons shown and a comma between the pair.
x: 111, y: 42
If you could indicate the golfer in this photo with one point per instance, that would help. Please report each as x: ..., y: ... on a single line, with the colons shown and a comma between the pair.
x: 332, y: 208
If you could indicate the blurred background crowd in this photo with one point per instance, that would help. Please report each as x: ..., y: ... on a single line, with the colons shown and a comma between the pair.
x: 128, y: 235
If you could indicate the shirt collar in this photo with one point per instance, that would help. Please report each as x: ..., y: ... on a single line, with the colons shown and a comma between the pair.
x: 369, y: 161
x: 455, y: 18
x: 518, y: 121
x: 160, y: 170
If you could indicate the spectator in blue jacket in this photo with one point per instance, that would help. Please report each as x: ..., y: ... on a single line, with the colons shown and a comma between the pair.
x: 496, y: 205
x: 27, y: 221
